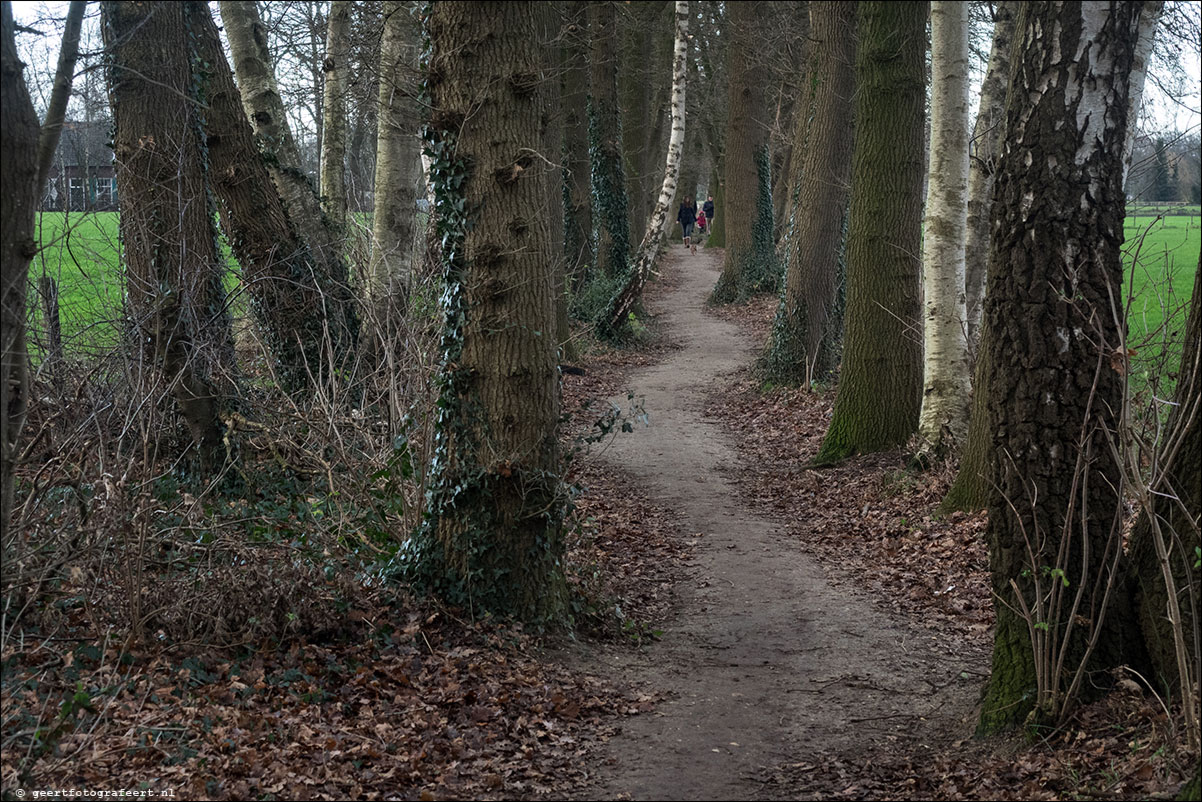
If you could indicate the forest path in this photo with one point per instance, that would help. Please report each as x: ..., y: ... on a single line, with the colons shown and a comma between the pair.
x: 765, y: 664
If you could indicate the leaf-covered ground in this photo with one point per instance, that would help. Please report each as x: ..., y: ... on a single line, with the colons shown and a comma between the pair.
x: 872, y: 522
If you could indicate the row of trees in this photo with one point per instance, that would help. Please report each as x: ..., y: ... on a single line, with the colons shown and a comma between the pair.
x: 541, y: 125
x: 1016, y: 255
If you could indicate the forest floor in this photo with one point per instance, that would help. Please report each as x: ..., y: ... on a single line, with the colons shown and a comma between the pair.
x: 830, y: 634
x: 746, y: 628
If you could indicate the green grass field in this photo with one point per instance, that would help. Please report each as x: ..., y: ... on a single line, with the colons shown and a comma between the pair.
x: 80, y: 252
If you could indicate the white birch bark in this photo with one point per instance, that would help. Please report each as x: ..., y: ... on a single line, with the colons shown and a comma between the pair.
x: 986, y: 147
x: 398, y: 162
x: 1149, y: 18
x: 944, y: 417
x: 627, y: 298
x: 333, y: 143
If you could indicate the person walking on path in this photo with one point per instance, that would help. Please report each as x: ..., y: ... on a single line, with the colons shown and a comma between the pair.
x: 687, y: 217
x: 708, y: 208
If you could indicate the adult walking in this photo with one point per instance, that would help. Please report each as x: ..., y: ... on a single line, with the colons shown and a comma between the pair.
x: 687, y: 217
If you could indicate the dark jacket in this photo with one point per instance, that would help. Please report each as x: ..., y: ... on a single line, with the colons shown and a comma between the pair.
x: 687, y: 214
x: 708, y: 208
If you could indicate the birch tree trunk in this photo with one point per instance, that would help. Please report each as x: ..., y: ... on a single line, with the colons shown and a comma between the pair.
x: 174, y: 293
x: 1149, y: 19
x: 987, y: 141
x: 627, y: 299
x: 265, y: 108
x: 19, y: 188
x: 336, y: 68
x: 398, y: 161
x: 807, y: 329
x: 64, y: 76
x: 880, y: 386
x: 1052, y: 332
x: 493, y: 539
x: 943, y: 421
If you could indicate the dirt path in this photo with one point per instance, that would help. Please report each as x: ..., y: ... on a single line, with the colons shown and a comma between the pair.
x: 765, y: 665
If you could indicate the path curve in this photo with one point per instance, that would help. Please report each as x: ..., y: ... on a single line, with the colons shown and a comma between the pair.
x: 764, y: 663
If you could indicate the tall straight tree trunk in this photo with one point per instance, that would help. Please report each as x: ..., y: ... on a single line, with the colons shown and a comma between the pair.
x: 629, y: 296
x: 880, y: 386
x: 807, y: 330
x: 578, y: 211
x: 970, y: 490
x: 1055, y: 517
x: 64, y: 76
x: 943, y: 421
x: 337, y: 69
x: 174, y: 293
x: 493, y: 539
x: 265, y: 108
x: 987, y: 135
x: 280, y: 272
x: 19, y: 188
x: 746, y: 137
x: 550, y: 21
x: 610, y: 202
x: 398, y: 160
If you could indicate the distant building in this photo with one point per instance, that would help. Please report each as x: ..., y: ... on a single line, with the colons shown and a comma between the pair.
x: 83, y: 176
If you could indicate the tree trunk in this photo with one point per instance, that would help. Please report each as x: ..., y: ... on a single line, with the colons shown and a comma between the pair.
x: 493, y: 540
x: 64, y: 75
x: 279, y: 271
x: 263, y: 104
x: 19, y: 188
x: 578, y: 212
x: 1055, y: 517
x: 398, y: 162
x: 605, y: 141
x: 1149, y: 19
x: 880, y: 387
x: 808, y: 326
x: 630, y: 294
x: 987, y: 136
x: 337, y: 69
x: 174, y: 293
x: 943, y: 421
x: 746, y: 138
x: 551, y: 24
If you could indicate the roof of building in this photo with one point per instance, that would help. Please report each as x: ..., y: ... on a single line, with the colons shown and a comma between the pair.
x: 85, y: 144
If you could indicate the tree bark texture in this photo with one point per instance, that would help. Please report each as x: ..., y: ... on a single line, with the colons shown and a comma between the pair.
x: 398, y: 161
x: 987, y: 134
x: 19, y: 189
x: 1052, y: 329
x: 746, y: 138
x: 279, y: 271
x: 1177, y: 514
x: 1149, y: 19
x: 943, y: 421
x: 337, y: 72
x: 628, y: 297
x: 808, y: 326
x: 265, y: 108
x: 64, y: 76
x: 610, y: 202
x: 880, y: 386
x: 551, y: 24
x: 174, y: 295
x: 494, y: 537
x: 578, y: 204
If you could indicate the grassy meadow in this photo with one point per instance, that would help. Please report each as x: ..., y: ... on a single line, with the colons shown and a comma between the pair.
x: 80, y: 251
